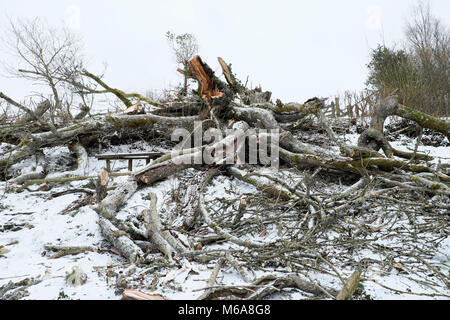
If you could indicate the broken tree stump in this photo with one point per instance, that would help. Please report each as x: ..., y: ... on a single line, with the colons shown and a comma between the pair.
x: 205, y: 76
x: 100, y: 185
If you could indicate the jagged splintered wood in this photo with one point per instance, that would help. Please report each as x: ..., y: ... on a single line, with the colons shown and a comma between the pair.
x: 101, y: 184
x: 205, y: 76
x: 136, y: 108
x: 226, y: 71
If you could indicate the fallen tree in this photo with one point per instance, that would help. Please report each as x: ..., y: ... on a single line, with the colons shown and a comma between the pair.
x: 244, y: 118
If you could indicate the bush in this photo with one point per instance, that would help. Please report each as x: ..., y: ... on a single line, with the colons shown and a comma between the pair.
x: 419, y: 73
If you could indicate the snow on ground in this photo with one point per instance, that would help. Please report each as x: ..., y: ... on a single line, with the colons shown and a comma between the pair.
x: 30, y: 220
x: 43, y: 226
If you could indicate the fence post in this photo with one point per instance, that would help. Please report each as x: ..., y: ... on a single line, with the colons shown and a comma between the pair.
x: 350, y: 111
x: 130, y: 165
x: 338, y: 110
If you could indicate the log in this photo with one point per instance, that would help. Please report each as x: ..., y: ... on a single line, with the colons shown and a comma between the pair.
x: 30, y: 115
x: 411, y: 155
x: 287, y: 140
x: 28, y: 183
x: 120, y: 241
x: 163, y: 240
x: 268, y: 115
x: 37, y: 114
x: 424, y: 120
x: 110, y: 205
x: 161, y: 171
x: 68, y: 250
x: 194, y: 157
x: 84, y: 201
x: 28, y: 176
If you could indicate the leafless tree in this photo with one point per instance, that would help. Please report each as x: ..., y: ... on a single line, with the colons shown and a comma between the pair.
x: 46, y: 56
x: 429, y: 42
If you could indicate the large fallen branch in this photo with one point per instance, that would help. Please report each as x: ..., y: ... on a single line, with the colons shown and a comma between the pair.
x: 121, y: 241
x: 374, y: 138
x: 216, y: 153
x: 123, y: 96
x: 163, y: 240
x: 109, y: 225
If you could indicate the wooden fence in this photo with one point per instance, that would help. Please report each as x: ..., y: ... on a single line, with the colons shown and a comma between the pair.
x: 358, y: 106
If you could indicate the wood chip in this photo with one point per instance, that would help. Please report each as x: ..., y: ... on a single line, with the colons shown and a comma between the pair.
x: 132, y: 294
x: 398, y: 266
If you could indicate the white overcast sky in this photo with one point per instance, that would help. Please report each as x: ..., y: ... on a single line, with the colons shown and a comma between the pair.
x: 296, y: 49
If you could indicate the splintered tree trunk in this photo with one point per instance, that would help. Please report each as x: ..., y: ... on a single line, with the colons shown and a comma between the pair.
x: 205, y: 76
x: 100, y: 185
